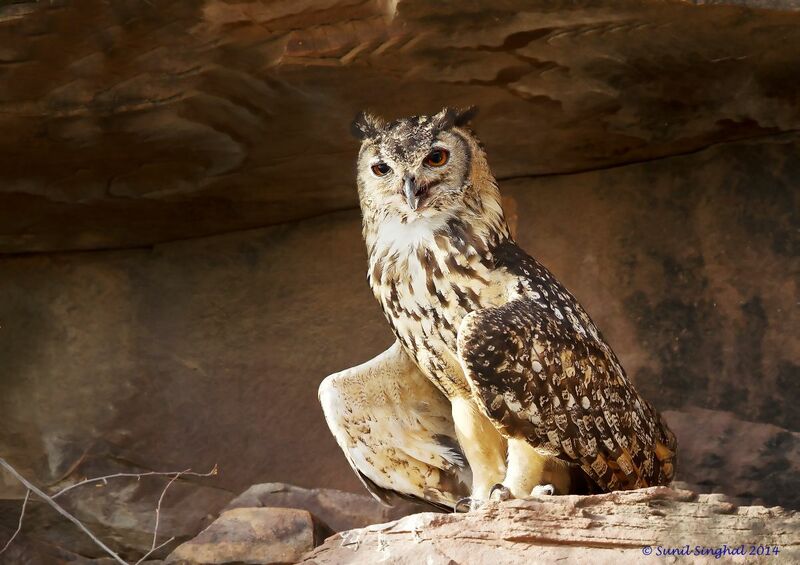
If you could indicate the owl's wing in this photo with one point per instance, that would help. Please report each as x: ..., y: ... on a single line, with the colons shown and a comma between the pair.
x: 537, y: 378
x: 396, y: 430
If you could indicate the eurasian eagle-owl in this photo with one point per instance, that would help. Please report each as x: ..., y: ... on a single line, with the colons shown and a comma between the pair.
x: 499, y: 384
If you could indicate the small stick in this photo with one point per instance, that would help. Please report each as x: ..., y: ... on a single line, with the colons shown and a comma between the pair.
x: 158, y: 508
x: 137, y: 476
x: 38, y: 492
x: 19, y: 524
x: 152, y: 551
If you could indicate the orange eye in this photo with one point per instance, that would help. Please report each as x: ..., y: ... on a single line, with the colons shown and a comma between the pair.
x: 381, y: 169
x: 437, y: 157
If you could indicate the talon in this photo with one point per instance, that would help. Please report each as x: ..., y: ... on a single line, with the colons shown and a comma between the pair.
x: 499, y: 493
x: 547, y: 490
x: 461, y: 503
x: 470, y: 503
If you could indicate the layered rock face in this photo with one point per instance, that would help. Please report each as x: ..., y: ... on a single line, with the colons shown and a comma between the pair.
x: 621, y: 527
x: 181, y: 256
x: 128, y: 125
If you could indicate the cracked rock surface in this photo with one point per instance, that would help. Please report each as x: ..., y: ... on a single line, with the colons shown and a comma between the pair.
x: 127, y: 123
x: 609, y: 529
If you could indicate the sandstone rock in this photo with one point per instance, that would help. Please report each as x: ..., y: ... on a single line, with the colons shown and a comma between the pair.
x: 199, y: 118
x: 27, y: 551
x: 338, y: 509
x: 607, y: 529
x: 254, y: 535
x: 756, y: 463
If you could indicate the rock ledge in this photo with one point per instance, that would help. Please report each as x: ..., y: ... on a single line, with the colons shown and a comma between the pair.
x: 609, y: 528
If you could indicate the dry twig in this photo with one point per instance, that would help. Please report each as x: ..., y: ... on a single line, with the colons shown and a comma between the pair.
x: 19, y: 524
x: 38, y: 492
x: 155, y: 546
x: 104, y: 479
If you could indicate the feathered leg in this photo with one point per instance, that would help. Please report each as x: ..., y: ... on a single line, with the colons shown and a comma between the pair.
x: 483, y: 446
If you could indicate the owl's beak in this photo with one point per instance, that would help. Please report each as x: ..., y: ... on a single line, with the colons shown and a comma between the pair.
x: 412, y: 191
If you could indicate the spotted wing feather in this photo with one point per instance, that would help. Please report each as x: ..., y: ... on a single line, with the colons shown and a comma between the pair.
x: 537, y: 378
x: 396, y: 430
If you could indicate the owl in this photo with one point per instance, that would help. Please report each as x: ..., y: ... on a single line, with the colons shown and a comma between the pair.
x: 498, y: 385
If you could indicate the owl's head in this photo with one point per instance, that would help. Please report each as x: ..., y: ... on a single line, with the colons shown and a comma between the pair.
x: 417, y: 167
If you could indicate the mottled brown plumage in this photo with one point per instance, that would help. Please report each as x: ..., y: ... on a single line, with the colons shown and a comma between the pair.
x: 537, y: 395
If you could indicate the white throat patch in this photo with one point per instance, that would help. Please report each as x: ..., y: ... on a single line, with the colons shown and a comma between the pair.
x: 398, y: 238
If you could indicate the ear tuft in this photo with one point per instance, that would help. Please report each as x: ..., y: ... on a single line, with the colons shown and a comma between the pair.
x: 449, y: 117
x: 365, y: 125
x: 465, y: 116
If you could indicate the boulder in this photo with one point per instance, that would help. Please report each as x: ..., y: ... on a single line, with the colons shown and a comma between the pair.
x: 254, y: 535
x: 338, y: 509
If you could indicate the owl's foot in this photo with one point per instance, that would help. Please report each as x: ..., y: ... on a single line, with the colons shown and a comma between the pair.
x: 547, y: 490
x: 499, y: 493
x: 468, y: 504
